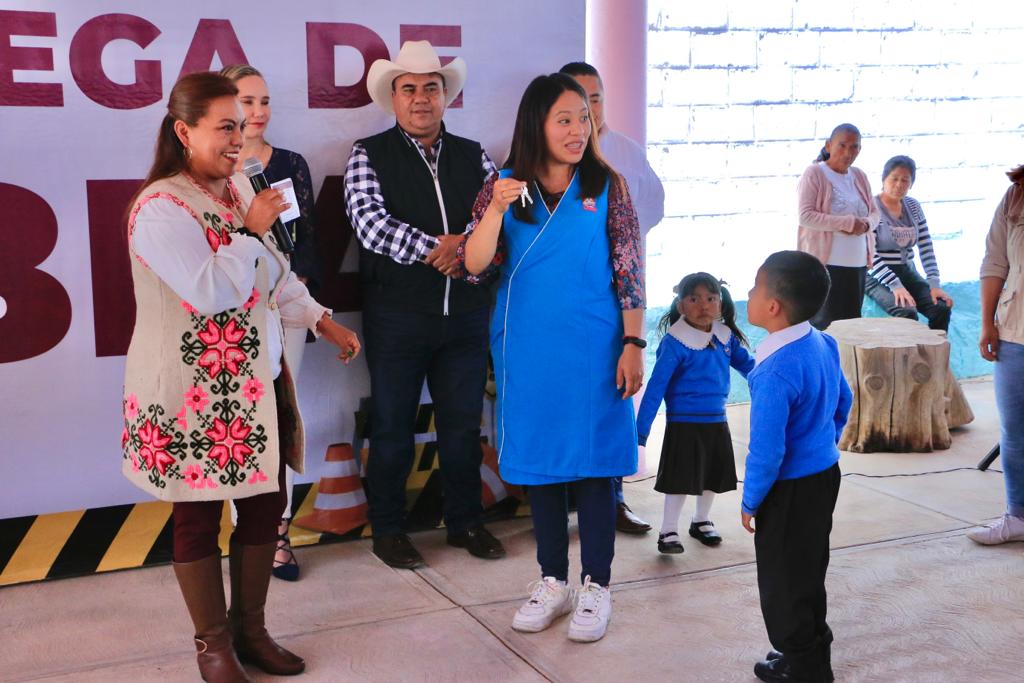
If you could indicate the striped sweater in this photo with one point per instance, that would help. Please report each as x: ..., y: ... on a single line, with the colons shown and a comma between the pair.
x: 895, y: 244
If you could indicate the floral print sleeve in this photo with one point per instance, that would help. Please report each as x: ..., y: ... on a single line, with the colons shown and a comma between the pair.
x: 483, y: 199
x: 624, y: 234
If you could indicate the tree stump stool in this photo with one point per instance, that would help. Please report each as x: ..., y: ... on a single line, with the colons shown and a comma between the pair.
x: 905, y: 398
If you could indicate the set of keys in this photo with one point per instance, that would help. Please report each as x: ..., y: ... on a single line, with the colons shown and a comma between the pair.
x: 524, y: 196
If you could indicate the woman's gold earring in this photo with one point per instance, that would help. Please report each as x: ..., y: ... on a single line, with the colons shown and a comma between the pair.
x: 188, y: 153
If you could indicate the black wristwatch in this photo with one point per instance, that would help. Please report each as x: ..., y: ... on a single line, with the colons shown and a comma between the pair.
x: 246, y: 231
x: 635, y: 341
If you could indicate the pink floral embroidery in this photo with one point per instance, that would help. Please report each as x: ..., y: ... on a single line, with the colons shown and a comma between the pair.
x: 223, y: 352
x: 216, y: 240
x: 153, y: 445
x: 196, y: 399
x: 180, y: 420
x: 257, y: 477
x: 131, y: 406
x: 124, y: 438
x: 188, y: 307
x: 194, y: 477
x: 253, y: 390
x: 228, y: 217
x: 253, y: 298
x: 229, y: 441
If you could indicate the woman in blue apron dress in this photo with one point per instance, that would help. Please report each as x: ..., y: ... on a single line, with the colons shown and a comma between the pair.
x: 558, y: 228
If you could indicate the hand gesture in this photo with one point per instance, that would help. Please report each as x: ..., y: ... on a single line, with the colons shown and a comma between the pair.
x: 629, y: 375
x: 939, y: 295
x: 860, y: 226
x: 443, y: 255
x: 264, y: 209
x: 747, y: 521
x: 506, y: 191
x: 342, y: 337
x: 903, y: 298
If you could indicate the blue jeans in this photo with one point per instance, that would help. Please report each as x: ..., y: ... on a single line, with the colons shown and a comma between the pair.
x: 1009, y: 370
x: 402, y: 349
x: 595, y: 510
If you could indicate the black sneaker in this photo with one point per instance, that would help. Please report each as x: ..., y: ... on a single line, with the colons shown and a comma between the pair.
x: 705, y: 533
x: 669, y: 544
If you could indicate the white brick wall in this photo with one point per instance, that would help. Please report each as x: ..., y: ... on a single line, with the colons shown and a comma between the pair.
x: 742, y: 94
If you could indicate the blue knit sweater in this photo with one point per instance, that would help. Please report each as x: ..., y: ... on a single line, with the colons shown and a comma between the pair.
x: 694, y: 384
x: 799, y: 405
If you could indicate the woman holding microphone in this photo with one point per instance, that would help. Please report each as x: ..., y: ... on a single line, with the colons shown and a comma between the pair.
x: 209, y: 404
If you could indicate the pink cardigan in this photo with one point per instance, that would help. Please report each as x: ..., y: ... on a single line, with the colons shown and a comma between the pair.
x: 814, y: 194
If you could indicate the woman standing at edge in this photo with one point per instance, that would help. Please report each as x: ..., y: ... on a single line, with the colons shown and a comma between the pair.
x: 837, y: 220
x: 1002, y: 341
x: 209, y: 403
x: 566, y: 340
x: 279, y: 164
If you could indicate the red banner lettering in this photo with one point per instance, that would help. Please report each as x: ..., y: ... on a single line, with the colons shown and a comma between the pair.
x: 87, y: 67
x: 27, y: 59
x: 321, y: 39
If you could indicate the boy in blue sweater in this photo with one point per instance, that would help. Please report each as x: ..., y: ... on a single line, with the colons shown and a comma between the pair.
x: 799, y: 405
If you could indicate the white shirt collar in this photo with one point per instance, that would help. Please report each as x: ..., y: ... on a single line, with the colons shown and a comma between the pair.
x: 698, y: 340
x: 776, y: 340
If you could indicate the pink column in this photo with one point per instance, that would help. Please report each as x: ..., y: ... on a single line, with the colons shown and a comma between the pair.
x: 617, y: 47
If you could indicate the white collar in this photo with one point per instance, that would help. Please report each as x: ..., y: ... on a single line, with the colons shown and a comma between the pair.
x: 698, y: 340
x: 776, y: 340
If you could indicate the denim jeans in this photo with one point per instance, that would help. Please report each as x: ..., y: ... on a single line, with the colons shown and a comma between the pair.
x: 595, y: 511
x: 402, y: 349
x: 937, y: 313
x: 1009, y: 371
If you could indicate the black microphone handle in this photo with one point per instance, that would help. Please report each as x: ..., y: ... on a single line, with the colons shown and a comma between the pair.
x: 281, y: 234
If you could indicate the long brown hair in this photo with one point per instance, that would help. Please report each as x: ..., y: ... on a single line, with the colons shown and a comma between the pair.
x: 529, y: 152
x: 189, y: 101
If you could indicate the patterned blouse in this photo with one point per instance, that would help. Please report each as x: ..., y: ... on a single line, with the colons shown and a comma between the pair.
x: 287, y: 164
x: 623, y: 232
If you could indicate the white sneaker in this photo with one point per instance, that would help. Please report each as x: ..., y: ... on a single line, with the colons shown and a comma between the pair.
x: 549, y: 600
x: 1008, y: 528
x: 593, y: 612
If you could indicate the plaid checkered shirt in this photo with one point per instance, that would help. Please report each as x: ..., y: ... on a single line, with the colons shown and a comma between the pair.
x: 378, y: 230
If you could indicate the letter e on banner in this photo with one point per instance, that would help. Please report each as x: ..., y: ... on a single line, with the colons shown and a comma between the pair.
x: 321, y: 39
x: 38, y: 308
x: 87, y: 67
x: 12, y: 58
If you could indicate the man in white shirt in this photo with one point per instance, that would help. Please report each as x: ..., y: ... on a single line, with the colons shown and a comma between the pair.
x: 629, y: 159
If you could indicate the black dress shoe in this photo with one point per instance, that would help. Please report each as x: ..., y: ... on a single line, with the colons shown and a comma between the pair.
x: 778, y: 670
x: 706, y: 533
x: 629, y: 523
x: 397, y: 551
x: 479, y: 542
x: 826, y: 672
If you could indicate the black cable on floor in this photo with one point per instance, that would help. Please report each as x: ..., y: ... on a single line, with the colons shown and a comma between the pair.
x: 909, y: 474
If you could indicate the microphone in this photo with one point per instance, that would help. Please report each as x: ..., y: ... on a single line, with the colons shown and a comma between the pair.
x: 253, y: 170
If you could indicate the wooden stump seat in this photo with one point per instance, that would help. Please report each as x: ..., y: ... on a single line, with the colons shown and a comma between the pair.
x: 905, y: 398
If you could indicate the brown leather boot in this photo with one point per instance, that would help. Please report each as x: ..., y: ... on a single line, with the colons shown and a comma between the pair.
x: 202, y: 586
x: 250, y: 579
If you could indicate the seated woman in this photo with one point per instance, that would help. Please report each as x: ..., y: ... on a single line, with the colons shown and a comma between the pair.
x: 893, y: 282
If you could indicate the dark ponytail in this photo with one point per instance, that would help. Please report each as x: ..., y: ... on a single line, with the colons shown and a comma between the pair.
x: 686, y: 287
x: 823, y: 155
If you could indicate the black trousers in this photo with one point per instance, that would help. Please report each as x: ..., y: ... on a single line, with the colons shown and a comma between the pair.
x: 451, y: 353
x: 937, y: 312
x: 595, y: 511
x: 793, y: 526
x: 845, y: 296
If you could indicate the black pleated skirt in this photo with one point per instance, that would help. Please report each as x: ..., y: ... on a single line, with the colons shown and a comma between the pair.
x: 696, y: 457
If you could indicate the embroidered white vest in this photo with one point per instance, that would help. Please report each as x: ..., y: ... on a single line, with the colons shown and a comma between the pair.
x: 201, y: 421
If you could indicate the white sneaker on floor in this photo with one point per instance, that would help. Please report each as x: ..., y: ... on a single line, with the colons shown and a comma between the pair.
x: 593, y: 612
x: 549, y: 600
x: 1008, y: 528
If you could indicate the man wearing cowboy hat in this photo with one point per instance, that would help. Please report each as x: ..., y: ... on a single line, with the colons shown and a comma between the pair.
x: 409, y: 193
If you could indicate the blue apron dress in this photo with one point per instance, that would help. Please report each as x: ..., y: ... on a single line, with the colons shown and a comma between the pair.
x: 556, y: 338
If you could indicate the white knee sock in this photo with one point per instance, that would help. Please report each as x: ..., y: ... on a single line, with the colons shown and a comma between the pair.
x: 704, y: 501
x: 673, y: 507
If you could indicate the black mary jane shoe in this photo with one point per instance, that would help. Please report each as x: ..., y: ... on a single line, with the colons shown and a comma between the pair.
x: 668, y: 544
x: 289, y: 569
x: 705, y: 533
x: 479, y: 542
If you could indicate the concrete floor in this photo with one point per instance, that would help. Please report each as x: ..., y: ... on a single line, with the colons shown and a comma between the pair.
x: 911, y: 599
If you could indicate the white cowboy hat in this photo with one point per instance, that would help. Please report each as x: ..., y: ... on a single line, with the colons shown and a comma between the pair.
x: 415, y: 57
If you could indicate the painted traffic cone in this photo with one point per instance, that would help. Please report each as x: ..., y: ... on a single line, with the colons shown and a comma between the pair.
x: 493, y: 489
x: 340, y: 504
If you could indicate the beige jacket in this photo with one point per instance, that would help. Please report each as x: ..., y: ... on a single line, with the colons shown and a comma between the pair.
x: 817, y: 224
x: 1004, y: 259
x: 201, y: 418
